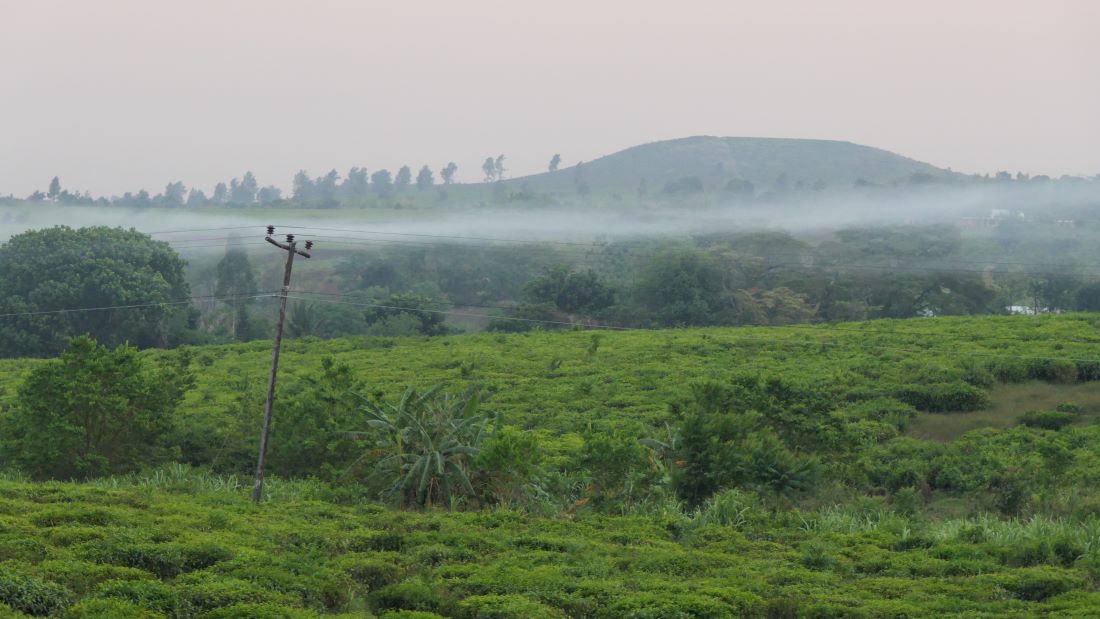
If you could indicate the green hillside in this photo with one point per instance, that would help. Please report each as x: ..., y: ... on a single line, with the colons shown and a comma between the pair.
x: 717, y: 160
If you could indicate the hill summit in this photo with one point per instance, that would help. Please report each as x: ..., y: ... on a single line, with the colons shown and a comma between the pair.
x: 767, y: 163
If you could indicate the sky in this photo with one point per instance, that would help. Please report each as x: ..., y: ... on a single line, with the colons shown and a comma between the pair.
x: 119, y: 95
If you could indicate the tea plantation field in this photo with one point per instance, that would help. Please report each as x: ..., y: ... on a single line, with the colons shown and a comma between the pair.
x: 178, y: 544
x: 916, y: 509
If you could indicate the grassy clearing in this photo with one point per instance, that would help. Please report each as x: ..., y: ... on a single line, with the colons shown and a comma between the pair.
x: 1008, y: 403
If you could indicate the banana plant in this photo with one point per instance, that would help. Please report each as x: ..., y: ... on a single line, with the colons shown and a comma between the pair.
x: 425, y: 443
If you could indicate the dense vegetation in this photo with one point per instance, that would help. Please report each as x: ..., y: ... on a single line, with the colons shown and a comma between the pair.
x: 682, y: 473
x: 62, y: 268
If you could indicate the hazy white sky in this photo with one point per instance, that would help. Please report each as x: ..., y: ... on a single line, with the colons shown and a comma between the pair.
x: 116, y: 95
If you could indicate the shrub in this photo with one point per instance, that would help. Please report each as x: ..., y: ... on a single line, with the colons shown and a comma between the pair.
x: 31, y: 595
x: 1047, y: 420
x: 371, y: 572
x: 163, y: 560
x: 259, y: 611
x: 82, y: 577
x: 505, y: 607
x: 93, y: 411
x: 669, y: 606
x: 209, y: 591
x: 149, y: 594
x: 109, y: 609
x: 1053, y: 370
x: 409, y: 614
x: 408, y: 595
x: 1037, y: 584
x: 944, y: 397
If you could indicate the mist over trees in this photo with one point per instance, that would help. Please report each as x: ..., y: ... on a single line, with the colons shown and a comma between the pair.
x: 694, y: 171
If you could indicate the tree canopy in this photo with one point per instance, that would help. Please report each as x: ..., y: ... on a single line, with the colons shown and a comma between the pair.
x: 93, y: 411
x: 127, y: 276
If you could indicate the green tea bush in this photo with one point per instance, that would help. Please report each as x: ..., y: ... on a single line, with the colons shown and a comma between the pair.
x: 23, y: 549
x: 408, y: 595
x: 370, y: 571
x: 261, y: 611
x: 505, y: 607
x: 148, y: 594
x: 73, y: 514
x: 410, y: 614
x: 110, y: 609
x: 163, y: 560
x: 30, y: 595
x: 944, y: 397
x: 674, y: 606
x: 204, y: 591
x: 1036, y: 584
x: 1053, y: 370
x: 81, y: 577
x: 1047, y: 420
x: 1009, y: 369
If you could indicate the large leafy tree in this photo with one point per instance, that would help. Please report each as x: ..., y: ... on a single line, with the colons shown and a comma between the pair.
x: 569, y: 291
x: 684, y: 288
x: 93, y: 411
x: 45, y: 271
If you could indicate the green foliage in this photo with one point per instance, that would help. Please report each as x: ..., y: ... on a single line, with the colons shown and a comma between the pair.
x: 408, y: 595
x: 424, y: 444
x: 508, y: 464
x: 62, y: 268
x: 31, y: 595
x: 619, y: 468
x: 420, y: 312
x: 93, y: 411
x: 505, y: 607
x: 569, y: 291
x: 944, y: 397
x: 310, y: 434
x: 236, y: 281
x: 743, y: 435
x: 683, y: 288
x: 1048, y: 420
x: 109, y: 609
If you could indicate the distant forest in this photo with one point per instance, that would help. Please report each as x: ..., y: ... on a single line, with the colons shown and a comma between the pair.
x: 361, y: 188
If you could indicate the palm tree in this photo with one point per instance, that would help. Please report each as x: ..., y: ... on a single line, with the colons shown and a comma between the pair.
x: 426, y: 442
x: 304, y: 319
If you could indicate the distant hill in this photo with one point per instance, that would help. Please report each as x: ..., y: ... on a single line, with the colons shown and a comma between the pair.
x: 716, y: 161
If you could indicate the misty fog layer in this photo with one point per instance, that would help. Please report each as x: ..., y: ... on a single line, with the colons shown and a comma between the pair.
x: 580, y: 222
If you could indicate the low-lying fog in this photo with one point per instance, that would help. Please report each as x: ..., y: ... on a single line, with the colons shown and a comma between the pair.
x: 580, y: 222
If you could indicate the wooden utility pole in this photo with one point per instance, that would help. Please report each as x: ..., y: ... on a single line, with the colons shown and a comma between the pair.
x: 291, y: 249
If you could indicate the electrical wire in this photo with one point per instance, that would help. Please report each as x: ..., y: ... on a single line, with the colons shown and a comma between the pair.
x: 134, y: 305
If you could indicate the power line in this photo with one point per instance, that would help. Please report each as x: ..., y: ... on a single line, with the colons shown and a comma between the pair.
x: 252, y: 227
x: 468, y: 314
x: 134, y: 305
x: 445, y: 236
